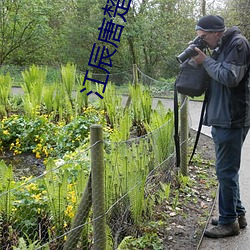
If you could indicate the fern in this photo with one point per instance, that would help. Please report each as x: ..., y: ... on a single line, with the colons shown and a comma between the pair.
x: 5, y: 90
x: 56, y: 185
x: 33, y: 86
x: 6, y: 184
x: 68, y: 74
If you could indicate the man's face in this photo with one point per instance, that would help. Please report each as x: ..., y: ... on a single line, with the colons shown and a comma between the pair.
x: 211, y: 38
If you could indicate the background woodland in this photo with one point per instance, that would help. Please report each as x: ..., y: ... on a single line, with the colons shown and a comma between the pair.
x: 49, y: 32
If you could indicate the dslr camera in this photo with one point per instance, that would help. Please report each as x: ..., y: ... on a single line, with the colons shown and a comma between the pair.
x: 190, y: 51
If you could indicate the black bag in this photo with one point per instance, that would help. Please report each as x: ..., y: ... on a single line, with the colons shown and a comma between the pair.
x: 192, y: 80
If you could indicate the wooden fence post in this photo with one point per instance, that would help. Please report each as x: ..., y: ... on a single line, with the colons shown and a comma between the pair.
x: 80, y: 218
x: 98, y: 194
x: 135, y: 74
x: 135, y: 78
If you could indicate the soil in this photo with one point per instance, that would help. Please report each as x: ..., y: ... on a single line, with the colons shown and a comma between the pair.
x: 25, y: 164
x: 186, y: 223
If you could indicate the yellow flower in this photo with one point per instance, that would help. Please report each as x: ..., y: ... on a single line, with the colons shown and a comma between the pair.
x: 38, y: 155
x: 12, y: 145
x: 69, y: 211
x: 14, y: 209
x: 31, y: 187
x: 6, y: 132
x: 37, y: 196
x: 73, y: 199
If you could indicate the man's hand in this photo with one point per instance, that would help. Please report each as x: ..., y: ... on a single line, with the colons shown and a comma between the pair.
x: 200, y: 58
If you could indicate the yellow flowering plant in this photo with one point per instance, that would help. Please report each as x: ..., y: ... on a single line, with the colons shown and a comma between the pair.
x: 44, y: 137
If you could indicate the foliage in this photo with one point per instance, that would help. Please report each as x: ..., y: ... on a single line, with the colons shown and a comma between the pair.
x: 147, y: 241
x: 52, y: 32
x: 6, y: 184
x: 43, y: 137
x: 141, y: 106
x: 68, y: 73
x: 5, y: 89
x: 22, y: 23
x: 161, y: 126
x: 34, y: 81
x: 111, y: 103
x: 43, y: 206
x: 51, y: 200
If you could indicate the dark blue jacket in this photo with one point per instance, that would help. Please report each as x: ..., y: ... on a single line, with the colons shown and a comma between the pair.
x: 229, y: 90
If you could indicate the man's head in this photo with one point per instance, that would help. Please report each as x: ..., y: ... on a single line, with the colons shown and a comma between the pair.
x: 211, y: 29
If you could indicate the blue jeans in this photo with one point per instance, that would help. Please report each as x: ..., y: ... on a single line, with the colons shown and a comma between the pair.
x: 228, y: 145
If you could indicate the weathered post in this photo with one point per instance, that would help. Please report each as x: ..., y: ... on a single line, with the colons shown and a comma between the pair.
x: 135, y: 74
x: 135, y: 78
x: 98, y: 194
x: 80, y: 218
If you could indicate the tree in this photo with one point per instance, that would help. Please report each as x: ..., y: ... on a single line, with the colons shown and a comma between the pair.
x: 237, y: 12
x: 21, y: 21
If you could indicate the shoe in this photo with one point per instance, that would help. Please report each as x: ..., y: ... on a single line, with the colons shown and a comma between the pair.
x: 221, y: 231
x: 241, y: 219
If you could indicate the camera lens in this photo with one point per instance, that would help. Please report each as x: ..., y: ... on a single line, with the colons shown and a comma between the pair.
x: 187, y: 53
x: 190, y: 51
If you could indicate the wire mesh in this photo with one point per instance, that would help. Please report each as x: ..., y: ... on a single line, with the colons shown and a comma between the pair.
x: 43, y: 211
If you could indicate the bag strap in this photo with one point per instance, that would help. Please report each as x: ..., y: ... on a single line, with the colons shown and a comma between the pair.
x: 176, y: 127
x: 199, y: 127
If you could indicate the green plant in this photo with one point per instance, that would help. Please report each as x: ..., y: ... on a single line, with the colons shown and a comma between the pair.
x: 5, y: 89
x: 111, y: 103
x: 141, y: 104
x: 126, y: 172
x: 147, y: 241
x: 161, y: 128
x: 33, y: 86
x: 48, y: 98
x: 22, y: 245
x: 68, y: 74
x: 82, y: 99
x: 176, y: 199
x: 6, y: 184
x: 164, y: 191
x: 184, y: 181
x: 30, y: 208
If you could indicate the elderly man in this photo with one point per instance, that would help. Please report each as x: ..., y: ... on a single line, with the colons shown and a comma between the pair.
x: 228, y: 112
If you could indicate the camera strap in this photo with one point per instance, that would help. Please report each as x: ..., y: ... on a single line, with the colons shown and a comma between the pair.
x: 199, y: 127
x: 176, y: 126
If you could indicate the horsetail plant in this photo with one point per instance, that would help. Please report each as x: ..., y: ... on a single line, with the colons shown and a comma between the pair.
x: 5, y: 89
x: 82, y: 99
x: 48, y: 98
x: 6, y: 184
x: 68, y: 74
x: 161, y: 127
x: 33, y: 86
x: 56, y: 184
x: 141, y: 105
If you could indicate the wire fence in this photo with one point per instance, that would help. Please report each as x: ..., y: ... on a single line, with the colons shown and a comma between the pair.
x: 55, y: 210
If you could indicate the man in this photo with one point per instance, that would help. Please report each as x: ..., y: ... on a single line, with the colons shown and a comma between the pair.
x: 228, y: 112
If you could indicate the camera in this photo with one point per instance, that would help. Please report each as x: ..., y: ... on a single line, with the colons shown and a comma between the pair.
x: 190, y: 51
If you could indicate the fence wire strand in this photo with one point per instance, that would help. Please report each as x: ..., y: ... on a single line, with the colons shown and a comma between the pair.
x: 48, y: 203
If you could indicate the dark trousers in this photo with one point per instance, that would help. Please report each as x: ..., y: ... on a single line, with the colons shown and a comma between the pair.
x: 228, y: 145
